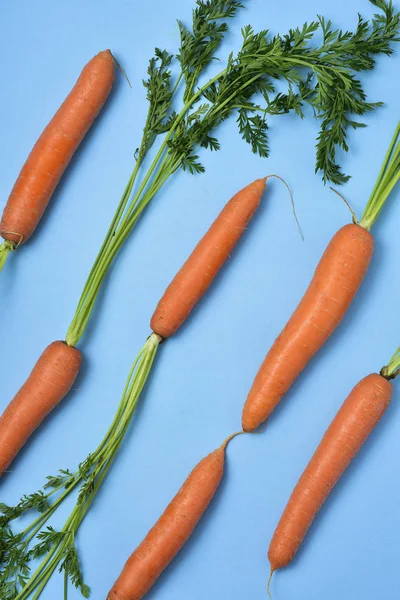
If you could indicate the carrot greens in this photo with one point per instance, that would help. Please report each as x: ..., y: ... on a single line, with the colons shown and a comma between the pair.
x: 322, y: 77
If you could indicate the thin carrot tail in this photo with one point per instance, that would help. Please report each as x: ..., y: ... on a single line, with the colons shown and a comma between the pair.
x: 229, y: 438
x: 269, y: 584
x: 291, y: 200
x: 5, y: 248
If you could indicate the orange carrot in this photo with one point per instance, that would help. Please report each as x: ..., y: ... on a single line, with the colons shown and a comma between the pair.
x: 172, y: 530
x: 336, y: 280
x: 192, y: 280
x: 359, y: 414
x: 54, y: 149
x: 198, y: 272
x: 50, y: 380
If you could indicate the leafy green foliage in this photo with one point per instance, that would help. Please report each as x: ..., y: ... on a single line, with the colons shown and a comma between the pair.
x: 159, y: 95
x: 324, y: 77
x: 72, y: 567
x: 199, y: 45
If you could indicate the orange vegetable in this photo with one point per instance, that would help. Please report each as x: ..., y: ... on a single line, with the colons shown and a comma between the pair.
x: 50, y: 380
x: 172, y: 530
x: 54, y: 149
x: 198, y: 272
x: 336, y: 280
x: 359, y: 414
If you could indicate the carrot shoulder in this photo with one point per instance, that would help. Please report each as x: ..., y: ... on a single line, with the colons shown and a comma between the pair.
x: 355, y: 420
x: 54, y: 149
x: 50, y: 380
x: 337, y: 278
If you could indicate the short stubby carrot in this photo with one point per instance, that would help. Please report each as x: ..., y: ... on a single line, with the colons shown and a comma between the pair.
x: 50, y: 380
x: 54, y: 149
x: 336, y: 280
x: 172, y: 530
x: 355, y: 420
x: 213, y: 250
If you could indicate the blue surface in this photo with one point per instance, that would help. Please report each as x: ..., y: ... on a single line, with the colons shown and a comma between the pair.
x: 202, y: 375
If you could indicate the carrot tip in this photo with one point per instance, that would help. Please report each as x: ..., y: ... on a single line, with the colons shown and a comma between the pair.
x: 229, y: 438
x: 347, y: 203
x: 269, y: 584
x: 121, y: 68
x: 291, y: 200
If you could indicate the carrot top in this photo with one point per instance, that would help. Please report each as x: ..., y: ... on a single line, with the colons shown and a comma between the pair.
x: 392, y: 369
x: 5, y: 248
x: 388, y: 177
x: 323, y: 76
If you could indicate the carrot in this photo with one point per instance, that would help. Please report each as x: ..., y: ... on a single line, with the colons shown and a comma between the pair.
x: 208, y: 257
x: 200, y: 269
x: 53, y: 151
x: 172, y: 529
x: 334, y: 285
x: 49, y: 381
x: 337, y: 278
x: 359, y: 414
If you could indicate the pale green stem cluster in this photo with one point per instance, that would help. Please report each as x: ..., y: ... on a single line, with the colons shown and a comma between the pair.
x: 5, y: 249
x: 392, y: 369
x: 387, y: 179
x: 101, y: 460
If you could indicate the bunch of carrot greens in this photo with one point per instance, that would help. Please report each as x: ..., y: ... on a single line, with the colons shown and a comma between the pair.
x: 321, y: 76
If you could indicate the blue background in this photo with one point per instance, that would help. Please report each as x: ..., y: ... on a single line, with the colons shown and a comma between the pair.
x: 202, y: 375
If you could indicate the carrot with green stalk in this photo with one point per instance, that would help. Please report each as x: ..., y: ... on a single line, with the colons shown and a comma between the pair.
x: 322, y: 76
x: 57, y: 549
x: 53, y: 152
x: 337, y: 278
x: 349, y: 430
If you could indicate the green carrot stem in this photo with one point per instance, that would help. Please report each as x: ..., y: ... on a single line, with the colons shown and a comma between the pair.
x: 392, y: 369
x: 103, y: 458
x: 5, y: 249
x: 122, y: 226
x: 388, y: 177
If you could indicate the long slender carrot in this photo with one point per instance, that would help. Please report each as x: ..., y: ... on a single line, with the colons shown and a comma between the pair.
x: 53, y: 151
x: 186, y: 289
x: 202, y: 266
x: 51, y: 378
x: 337, y: 278
x: 172, y: 530
x: 359, y: 414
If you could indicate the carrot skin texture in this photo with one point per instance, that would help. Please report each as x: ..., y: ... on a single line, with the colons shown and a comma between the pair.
x: 50, y: 380
x: 337, y: 278
x: 210, y: 254
x: 54, y: 149
x: 355, y: 420
x: 171, y: 531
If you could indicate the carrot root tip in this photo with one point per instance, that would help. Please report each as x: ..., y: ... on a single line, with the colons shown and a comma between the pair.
x: 291, y: 200
x: 5, y: 248
x: 229, y: 438
x: 269, y: 584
